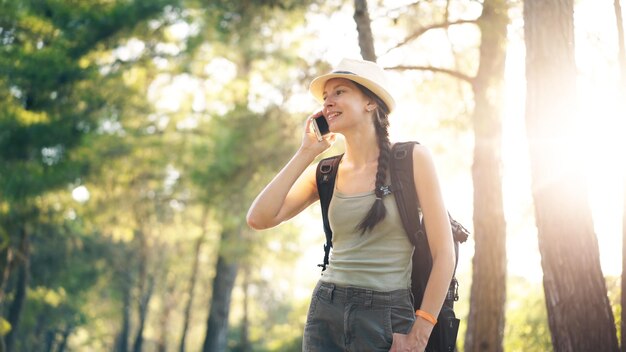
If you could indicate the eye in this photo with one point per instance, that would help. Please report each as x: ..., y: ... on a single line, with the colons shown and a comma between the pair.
x: 339, y: 91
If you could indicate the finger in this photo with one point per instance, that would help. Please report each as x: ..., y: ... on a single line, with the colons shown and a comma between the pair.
x: 316, y: 114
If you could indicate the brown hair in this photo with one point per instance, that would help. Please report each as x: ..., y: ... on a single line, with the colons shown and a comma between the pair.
x: 381, y: 123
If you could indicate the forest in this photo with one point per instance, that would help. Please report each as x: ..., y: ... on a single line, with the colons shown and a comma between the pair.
x: 135, y: 134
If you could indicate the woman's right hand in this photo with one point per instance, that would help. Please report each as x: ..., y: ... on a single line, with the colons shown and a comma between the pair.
x: 310, y: 144
x: 293, y: 188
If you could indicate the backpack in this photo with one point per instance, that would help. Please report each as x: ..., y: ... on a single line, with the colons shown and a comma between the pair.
x: 443, y: 336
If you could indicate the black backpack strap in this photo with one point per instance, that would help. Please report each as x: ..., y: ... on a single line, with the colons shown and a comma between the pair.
x: 407, y: 200
x: 403, y: 184
x: 443, y: 336
x: 325, y: 176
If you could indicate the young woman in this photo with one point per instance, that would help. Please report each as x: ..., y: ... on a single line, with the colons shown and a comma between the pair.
x: 363, y: 300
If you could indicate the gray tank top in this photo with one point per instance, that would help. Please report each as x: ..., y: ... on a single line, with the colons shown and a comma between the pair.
x: 379, y: 259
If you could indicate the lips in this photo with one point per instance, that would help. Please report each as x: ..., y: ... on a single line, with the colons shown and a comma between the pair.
x: 332, y: 115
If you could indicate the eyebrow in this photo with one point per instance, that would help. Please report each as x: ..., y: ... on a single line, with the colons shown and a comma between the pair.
x: 335, y: 87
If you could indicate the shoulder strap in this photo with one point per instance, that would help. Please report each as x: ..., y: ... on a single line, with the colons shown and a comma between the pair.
x: 407, y: 200
x: 325, y: 176
x: 403, y: 185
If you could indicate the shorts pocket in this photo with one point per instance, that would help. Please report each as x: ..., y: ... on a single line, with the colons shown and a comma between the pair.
x: 402, y: 319
x: 372, y: 329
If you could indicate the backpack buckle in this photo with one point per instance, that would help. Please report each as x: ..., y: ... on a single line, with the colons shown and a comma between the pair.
x: 326, y: 168
x: 400, y: 154
x: 453, y: 291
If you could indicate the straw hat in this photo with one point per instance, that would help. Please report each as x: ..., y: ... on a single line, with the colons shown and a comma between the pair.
x: 366, y: 73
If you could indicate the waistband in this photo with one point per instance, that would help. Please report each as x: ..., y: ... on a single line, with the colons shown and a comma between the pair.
x: 367, y: 297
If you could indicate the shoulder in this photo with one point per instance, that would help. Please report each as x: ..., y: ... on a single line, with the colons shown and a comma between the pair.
x: 421, y: 153
x: 423, y: 164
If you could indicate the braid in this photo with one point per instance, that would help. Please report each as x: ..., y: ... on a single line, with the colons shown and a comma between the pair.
x: 381, y: 124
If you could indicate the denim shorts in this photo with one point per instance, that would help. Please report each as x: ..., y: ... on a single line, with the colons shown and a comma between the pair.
x: 356, y: 319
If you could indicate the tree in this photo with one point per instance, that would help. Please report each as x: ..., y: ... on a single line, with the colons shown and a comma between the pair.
x: 621, y: 59
x: 51, y: 101
x: 240, y: 150
x: 486, y: 319
x: 364, y: 29
x: 579, y: 312
x: 485, y: 326
x: 245, y: 143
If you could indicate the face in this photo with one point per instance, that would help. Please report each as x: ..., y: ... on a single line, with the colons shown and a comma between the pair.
x: 345, y: 105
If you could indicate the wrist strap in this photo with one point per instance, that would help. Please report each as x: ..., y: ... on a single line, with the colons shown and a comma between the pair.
x: 426, y: 316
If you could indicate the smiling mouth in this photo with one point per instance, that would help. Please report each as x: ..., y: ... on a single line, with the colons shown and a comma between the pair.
x: 333, y: 115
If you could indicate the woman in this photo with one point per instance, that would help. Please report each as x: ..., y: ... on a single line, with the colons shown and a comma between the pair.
x: 362, y: 301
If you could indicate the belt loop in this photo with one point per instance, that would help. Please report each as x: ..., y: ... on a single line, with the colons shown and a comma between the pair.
x: 368, y: 298
x: 332, y: 291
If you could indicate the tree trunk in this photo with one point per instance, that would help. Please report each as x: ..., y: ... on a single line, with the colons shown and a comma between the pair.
x: 621, y: 59
x: 217, y: 324
x: 49, y: 337
x: 244, y: 343
x: 122, y: 339
x: 579, y: 312
x: 6, y: 264
x: 488, y: 293
x: 192, y: 283
x: 168, y: 305
x: 144, y: 303
x: 16, y: 308
x: 364, y: 29
x: 65, y: 335
x: 145, y: 286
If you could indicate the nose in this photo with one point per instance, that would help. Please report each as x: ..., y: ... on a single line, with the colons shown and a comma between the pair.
x: 328, y: 102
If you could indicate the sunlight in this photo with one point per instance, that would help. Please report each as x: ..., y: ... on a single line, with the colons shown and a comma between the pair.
x: 604, y: 157
x: 603, y: 126
x: 81, y: 194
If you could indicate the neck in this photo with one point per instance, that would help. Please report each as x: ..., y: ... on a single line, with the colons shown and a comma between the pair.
x: 361, y: 148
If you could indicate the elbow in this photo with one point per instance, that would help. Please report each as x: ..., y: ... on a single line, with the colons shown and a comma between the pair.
x: 255, y: 222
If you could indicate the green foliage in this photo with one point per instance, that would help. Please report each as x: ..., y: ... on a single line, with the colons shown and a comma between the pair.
x: 5, y: 327
x: 614, y: 288
x: 50, y: 89
x: 65, y: 264
x: 526, y: 318
x: 73, y: 111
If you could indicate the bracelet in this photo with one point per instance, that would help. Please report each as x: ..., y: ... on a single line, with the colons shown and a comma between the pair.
x: 426, y: 316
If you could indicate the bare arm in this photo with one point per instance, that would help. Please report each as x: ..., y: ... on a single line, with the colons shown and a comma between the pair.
x: 439, y: 235
x: 293, y: 188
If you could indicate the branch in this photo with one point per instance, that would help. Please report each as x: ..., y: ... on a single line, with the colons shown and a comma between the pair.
x: 455, y: 74
x: 401, y: 9
x: 423, y: 30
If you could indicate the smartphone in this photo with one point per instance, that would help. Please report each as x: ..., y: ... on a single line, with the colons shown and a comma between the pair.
x: 320, y: 126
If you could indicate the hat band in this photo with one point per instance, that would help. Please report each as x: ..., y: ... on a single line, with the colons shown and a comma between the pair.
x: 345, y: 72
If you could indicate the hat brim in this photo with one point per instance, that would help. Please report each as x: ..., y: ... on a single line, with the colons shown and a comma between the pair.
x: 317, y: 87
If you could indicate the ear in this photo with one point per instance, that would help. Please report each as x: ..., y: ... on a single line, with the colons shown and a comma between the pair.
x: 371, y: 106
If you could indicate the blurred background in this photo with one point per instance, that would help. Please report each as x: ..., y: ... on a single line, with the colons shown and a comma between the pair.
x: 134, y: 134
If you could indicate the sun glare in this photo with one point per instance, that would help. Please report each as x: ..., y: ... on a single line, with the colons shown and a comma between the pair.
x: 604, y: 161
x: 603, y: 116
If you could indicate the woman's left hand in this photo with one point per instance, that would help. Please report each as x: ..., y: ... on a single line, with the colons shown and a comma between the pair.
x: 415, y: 341
x: 404, y: 343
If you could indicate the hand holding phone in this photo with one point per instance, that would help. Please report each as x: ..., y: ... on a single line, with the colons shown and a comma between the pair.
x: 320, y: 127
